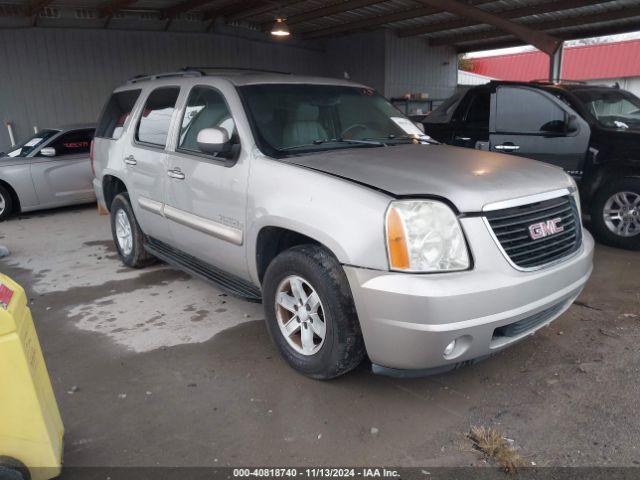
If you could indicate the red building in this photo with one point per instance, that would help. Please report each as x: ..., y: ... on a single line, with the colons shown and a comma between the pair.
x: 605, y: 63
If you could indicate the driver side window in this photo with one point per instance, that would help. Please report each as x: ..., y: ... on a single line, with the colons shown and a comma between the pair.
x: 73, y: 143
x: 206, y: 108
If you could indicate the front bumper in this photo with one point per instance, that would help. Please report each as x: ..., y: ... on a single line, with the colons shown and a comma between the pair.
x: 407, y: 320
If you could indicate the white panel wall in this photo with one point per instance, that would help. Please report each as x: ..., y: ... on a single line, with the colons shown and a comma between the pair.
x: 631, y: 84
x: 53, y: 77
x: 413, y: 66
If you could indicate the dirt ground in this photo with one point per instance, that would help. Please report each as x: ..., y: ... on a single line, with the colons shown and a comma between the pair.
x: 153, y: 367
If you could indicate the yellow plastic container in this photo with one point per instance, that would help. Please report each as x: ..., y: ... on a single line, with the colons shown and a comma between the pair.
x: 31, y: 429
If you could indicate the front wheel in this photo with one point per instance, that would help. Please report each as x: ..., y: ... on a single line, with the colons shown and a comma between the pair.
x: 615, y: 214
x: 6, y: 203
x: 127, y: 234
x: 310, y: 313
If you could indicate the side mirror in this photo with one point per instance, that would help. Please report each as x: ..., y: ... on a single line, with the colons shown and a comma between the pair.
x: 420, y: 126
x: 213, y: 140
x: 48, y: 152
x: 572, y: 124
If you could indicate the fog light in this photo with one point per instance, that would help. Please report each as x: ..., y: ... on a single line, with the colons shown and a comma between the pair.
x: 448, y: 350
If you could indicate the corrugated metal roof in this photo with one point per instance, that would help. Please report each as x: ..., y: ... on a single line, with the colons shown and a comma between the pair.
x: 586, y: 62
x: 321, y: 18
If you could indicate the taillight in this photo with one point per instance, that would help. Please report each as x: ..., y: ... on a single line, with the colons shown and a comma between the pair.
x: 93, y: 166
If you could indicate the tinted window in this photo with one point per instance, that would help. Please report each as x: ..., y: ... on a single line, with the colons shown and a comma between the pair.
x: 479, y: 110
x: 205, y: 108
x: 520, y: 110
x: 153, y: 127
x: 115, y: 113
x: 73, y: 143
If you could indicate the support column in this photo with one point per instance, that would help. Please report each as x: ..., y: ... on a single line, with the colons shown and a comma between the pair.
x: 555, y: 64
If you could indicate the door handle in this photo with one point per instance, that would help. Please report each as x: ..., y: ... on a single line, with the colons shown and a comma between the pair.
x: 464, y: 139
x: 505, y: 147
x: 176, y: 173
x: 130, y: 160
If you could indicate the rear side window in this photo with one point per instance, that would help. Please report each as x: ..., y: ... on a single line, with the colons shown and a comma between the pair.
x: 73, y: 143
x: 540, y: 111
x: 115, y: 114
x: 153, y: 127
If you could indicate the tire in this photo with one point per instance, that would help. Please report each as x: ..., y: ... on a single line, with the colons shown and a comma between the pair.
x: 6, y: 203
x: 342, y: 348
x: 132, y: 252
x: 602, y: 229
x: 12, y: 469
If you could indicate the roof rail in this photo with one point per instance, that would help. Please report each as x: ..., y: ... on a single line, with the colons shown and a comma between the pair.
x: 234, y: 69
x: 546, y: 81
x: 182, y: 73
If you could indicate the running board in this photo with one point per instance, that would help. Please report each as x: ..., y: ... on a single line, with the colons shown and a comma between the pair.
x: 229, y: 283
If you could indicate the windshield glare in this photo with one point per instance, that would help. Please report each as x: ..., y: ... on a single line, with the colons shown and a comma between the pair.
x: 292, y: 119
x: 31, y: 143
x: 612, y: 108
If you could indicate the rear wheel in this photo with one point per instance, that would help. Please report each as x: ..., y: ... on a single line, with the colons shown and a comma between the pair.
x: 127, y: 235
x: 6, y: 203
x: 615, y: 214
x: 310, y: 313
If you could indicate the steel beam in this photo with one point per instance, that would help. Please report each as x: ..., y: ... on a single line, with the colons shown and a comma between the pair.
x: 340, y: 7
x: 34, y: 7
x: 555, y: 65
x: 495, y: 34
x: 538, y: 39
x: 379, y: 20
x: 107, y: 9
x: 586, y: 32
x: 261, y: 9
x: 547, y: 7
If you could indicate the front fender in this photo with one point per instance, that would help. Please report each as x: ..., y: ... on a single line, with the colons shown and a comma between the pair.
x: 345, y: 217
x: 18, y: 177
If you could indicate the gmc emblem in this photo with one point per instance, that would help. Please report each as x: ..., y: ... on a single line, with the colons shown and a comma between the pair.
x: 544, y: 229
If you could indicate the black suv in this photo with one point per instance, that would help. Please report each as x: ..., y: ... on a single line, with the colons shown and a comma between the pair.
x: 592, y: 132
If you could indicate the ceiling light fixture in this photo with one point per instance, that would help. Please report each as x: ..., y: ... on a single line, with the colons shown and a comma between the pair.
x: 280, y: 28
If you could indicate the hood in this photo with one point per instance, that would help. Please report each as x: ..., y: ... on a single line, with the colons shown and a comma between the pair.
x: 470, y: 179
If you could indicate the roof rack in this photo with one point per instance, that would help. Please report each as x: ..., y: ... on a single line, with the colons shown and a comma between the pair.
x: 234, y: 69
x: 546, y: 81
x: 186, y: 72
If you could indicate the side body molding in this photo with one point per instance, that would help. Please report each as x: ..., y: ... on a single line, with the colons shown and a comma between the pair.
x: 204, y: 225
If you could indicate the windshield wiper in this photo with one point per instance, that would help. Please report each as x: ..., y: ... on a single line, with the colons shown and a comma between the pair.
x: 422, y: 138
x: 370, y: 142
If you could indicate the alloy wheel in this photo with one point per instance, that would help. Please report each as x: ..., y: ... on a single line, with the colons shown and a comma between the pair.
x: 3, y: 204
x: 300, y: 315
x: 123, y: 232
x: 622, y: 214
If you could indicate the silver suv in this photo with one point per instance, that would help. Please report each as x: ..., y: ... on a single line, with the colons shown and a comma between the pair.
x: 360, y: 236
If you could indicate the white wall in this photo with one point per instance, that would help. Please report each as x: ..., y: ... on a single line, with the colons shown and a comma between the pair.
x: 631, y: 84
x: 55, y: 76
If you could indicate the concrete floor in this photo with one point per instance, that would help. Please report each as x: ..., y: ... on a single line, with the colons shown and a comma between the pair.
x: 169, y: 371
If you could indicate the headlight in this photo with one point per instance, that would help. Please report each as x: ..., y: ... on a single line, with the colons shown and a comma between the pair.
x: 424, y: 236
x: 576, y: 195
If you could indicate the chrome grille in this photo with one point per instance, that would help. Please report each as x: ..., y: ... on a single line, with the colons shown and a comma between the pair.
x: 511, y: 227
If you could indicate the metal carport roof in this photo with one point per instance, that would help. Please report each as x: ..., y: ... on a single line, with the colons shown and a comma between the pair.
x: 468, y: 25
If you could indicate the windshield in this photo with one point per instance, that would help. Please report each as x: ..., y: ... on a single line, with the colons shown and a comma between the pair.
x: 612, y: 108
x: 31, y: 143
x: 293, y: 119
